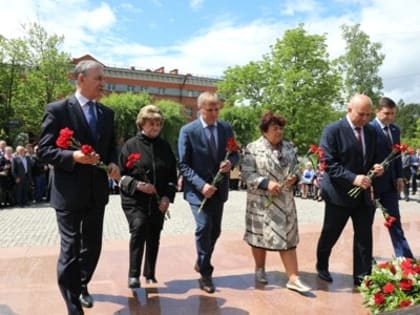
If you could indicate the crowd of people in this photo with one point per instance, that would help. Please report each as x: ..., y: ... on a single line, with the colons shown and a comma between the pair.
x: 23, y: 176
x: 147, y: 176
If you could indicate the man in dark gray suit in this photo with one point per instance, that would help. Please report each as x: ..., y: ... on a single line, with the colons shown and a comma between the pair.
x: 79, y: 189
x: 201, y: 146
x: 349, y: 147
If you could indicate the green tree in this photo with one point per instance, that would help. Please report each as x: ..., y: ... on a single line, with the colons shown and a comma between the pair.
x: 296, y: 79
x: 33, y: 72
x: 126, y: 107
x: 13, y: 55
x: 360, y: 64
x: 174, y: 119
x: 243, y: 85
x: 46, y: 76
x: 302, y: 85
x: 407, y: 119
x: 244, y: 121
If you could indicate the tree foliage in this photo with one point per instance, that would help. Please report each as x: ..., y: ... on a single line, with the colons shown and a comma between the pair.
x: 126, y: 107
x: 244, y: 121
x: 243, y: 85
x: 296, y: 79
x: 33, y: 73
x: 303, y: 84
x: 360, y: 64
x: 174, y: 119
x: 407, y: 119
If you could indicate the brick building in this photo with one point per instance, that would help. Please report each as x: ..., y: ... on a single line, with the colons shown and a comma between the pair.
x: 181, y: 88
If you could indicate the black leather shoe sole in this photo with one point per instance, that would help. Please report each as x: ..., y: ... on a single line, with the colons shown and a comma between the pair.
x: 206, y: 286
x: 151, y: 280
x: 324, y: 275
x: 133, y: 283
x: 86, y: 301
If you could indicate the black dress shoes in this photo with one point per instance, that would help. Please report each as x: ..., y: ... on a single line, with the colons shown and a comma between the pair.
x: 206, y: 284
x: 324, y: 275
x: 151, y: 280
x: 133, y: 282
x: 85, y: 298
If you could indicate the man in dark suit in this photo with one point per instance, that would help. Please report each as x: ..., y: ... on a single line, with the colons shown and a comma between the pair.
x: 349, y: 149
x: 387, y: 188
x: 21, y: 172
x: 79, y: 189
x: 201, y: 147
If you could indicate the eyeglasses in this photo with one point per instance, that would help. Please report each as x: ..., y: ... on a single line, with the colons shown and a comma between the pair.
x: 209, y: 110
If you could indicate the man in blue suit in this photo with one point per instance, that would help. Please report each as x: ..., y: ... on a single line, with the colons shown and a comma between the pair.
x: 79, y: 189
x: 349, y: 149
x: 201, y: 147
x: 387, y: 188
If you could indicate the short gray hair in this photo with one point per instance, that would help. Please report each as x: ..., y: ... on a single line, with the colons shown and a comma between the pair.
x: 207, y: 97
x: 84, y: 66
x: 149, y: 112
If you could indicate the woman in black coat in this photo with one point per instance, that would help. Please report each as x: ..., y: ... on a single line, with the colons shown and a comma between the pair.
x: 147, y: 186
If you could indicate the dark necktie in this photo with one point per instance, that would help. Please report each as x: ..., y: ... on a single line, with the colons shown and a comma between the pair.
x: 359, y: 139
x: 212, y: 142
x: 358, y: 134
x: 388, y: 135
x: 91, y: 118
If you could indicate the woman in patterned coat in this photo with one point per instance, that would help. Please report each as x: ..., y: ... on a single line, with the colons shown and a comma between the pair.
x: 269, y: 169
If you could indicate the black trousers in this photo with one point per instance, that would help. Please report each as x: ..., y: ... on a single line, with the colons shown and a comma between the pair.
x: 80, y: 248
x: 335, y: 219
x: 145, y: 232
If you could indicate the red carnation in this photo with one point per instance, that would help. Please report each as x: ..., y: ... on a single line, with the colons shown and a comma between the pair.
x: 66, y: 141
x: 132, y: 159
x: 389, y: 221
x: 406, y: 284
x: 383, y: 265
x: 231, y: 145
x: 405, y: 303
x: 388, y: 288
x: 66, y: 132
x: 406, y: 263
x: 313, y: 148
x: 379, y: 298
x: 87, y: 149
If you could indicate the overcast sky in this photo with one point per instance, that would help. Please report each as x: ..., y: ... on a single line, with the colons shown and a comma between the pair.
x: 204, y: 37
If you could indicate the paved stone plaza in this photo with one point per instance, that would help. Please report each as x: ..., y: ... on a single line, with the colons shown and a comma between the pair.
x: 36, y: 225
x: 29, y: 249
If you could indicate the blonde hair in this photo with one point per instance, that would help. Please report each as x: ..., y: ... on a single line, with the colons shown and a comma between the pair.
x: 149, y: 112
